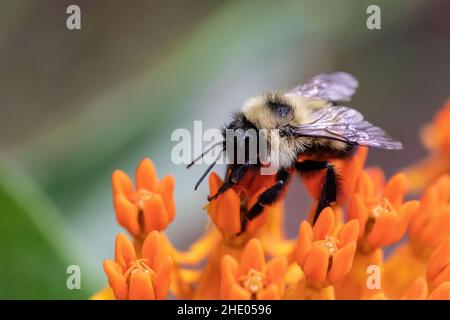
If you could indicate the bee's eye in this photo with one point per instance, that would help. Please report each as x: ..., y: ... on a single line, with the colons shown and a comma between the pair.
x: 280, y: 109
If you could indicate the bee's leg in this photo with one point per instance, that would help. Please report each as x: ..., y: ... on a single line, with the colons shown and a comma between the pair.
x: 233, y: 178
x: 330, y: 186
x: 268, y: 197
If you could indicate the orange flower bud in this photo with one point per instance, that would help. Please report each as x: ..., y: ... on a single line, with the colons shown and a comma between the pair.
x: 148, y: 207
x: 144, y: 278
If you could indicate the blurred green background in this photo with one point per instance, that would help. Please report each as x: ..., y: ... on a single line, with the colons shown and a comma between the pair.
x: 75, y: 105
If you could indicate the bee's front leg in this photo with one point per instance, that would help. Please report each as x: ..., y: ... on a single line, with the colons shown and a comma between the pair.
x: 236, y: 175
x: 268, y: 197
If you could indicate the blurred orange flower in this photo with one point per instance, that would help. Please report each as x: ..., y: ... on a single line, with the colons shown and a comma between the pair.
x: 431, y: 223
x: 429, y: 228
x: 140, y: 278
x: 251, y: 278
x: 150, y: 206
x: 436, y: 137
x: 382, y: 215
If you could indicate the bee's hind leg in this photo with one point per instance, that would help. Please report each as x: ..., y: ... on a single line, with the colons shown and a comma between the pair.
x: 330, y: 186
x: 268, y: 197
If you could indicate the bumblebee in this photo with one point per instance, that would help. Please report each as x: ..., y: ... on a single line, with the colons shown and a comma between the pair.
x: 309, y: 123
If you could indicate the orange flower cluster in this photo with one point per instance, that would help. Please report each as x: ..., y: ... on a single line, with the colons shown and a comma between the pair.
x: 346, y: 254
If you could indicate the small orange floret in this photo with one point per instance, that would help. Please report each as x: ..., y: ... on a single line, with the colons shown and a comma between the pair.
x: 436, y: 136
x: 252, y: 278
x: 324, y: 257
x: 430, y: 225
x: 150, y: 206
x: 381, y: 212
x: 228, y: 209
x: 144, y: 278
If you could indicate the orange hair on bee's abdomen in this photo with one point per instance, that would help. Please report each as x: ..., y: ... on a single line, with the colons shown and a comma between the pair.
x: 347, y: 169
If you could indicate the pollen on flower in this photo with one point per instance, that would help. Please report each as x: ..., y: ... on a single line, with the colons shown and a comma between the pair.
x: 330, y: 244
x: 253, y: 281
x: 384, y: 206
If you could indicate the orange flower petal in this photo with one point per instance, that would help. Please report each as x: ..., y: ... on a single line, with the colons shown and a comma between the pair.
x: 124, y: 252
x: 116, y: 279
x: 395, y: 189
x: 358, y: 210
x: 406, y: 213
x: 376, y: 175
x: 418, y: 290
x: 146, y: 176
x: 155, y: 214
x: 141, y: 287
x: 275, y: 272
x: 269, y: 293
x: 348, y: 233
x: 162, y: 279
x: 442, y: 292
x: 342, y: 262
x: 252, y: 257
x: 324, y: 224
x: 442, y: 186
x: 437, y: 228
x: 121, y: 184
x: 238, y: 293
x: 154, y: 250
x: 228, y: 212
x: 365, y: 186
x: 316, y: 264
x: 304, y: 243
x: 214, y: 183
x: 350, y: 170
x: 127, y: 214
x: 442, y: 277
x: 165, y: 189
x: 228, y: 269
x: 439, y: 259
x: 383, y: 230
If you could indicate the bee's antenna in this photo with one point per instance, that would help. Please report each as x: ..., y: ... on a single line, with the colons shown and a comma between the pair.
x: 208, y: 170
x: 203, y: 154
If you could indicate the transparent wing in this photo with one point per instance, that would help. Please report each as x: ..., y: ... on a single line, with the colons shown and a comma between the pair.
x: 336, y: 86
x: 347, y: 125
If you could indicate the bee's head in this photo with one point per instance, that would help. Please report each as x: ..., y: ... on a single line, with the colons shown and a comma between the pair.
x: 241, y: 140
